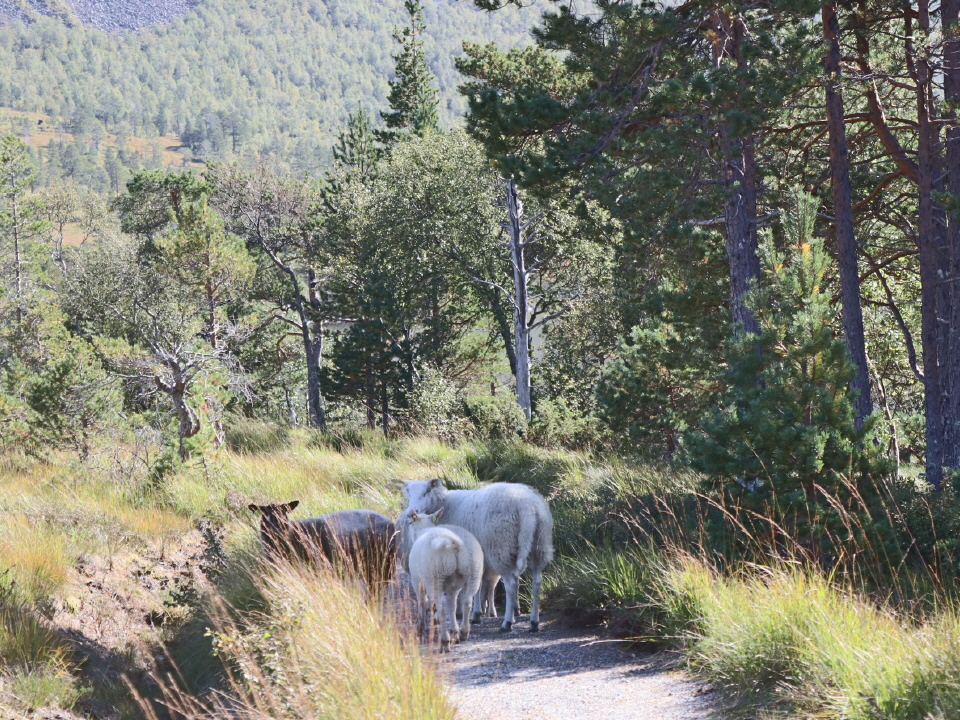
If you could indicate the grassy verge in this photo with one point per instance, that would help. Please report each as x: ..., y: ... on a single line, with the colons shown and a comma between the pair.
x: 70, y: 529
x: 317, y: 649
x: 777, y: 637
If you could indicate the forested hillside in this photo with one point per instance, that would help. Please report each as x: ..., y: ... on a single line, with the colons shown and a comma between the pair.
x: 112, y: 15
x: 231, y: 78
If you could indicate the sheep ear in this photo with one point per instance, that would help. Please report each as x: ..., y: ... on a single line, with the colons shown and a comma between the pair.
x: 253, y: 508
x: 434, y: 483
x: 437, y: 515
x: 292, y: 505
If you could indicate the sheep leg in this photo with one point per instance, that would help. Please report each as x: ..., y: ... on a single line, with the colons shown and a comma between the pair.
x: 511, y: 584
x: 464, y: 603
x: 478, y: 608
x: 491, y: 590
x: 424, y: 608
x: 448, y: 620
x: 535, y: 606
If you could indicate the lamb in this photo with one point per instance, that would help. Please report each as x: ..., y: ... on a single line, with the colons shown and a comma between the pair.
x: 446, y: 568
x: 362, y: 541
x: 513, y: 525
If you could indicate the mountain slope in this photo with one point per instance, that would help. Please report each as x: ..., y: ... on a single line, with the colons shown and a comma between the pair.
x: 102, y: 14
x: 232, y: 77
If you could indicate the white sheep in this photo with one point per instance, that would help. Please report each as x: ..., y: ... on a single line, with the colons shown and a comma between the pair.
x: 513, y: 525
x: 446, y: 567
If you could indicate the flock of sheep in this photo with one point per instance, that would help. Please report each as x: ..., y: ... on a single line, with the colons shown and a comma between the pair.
x: 456, y: 545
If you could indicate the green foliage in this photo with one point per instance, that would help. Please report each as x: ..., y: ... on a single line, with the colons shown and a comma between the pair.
x: 784, y: 443
x: 356, y: 152
x: 72, y: 399
x: 558, y: 423
x: 413, y: 99
x: 653, y: 391
x: 370, y: 369
x: 497, y: 417
x: 388, y: 239
x: 434, y: 404
x: 231, y: 79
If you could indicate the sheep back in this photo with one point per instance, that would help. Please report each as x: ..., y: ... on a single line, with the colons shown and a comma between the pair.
x: 362, y: 540
x: 512, y: 523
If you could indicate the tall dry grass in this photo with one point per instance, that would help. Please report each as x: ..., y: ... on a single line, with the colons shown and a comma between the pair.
x: 318, y: 650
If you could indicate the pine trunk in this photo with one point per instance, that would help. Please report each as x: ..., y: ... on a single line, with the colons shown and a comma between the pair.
x: 928, y: 240
x: 950, y: 360
x: 843, y: 216
x: 739, y: 175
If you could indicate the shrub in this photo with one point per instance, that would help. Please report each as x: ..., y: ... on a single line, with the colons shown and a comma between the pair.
x: 558, y: 424
x: 434, y: 404
x: 496, y: 417
x: 784, y: 448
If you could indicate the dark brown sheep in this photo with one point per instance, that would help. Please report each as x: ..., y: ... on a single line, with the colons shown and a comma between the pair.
x: 360, y: 541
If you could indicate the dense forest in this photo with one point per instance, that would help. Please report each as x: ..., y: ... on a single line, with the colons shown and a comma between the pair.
x: 688, y: 269
x: 230, y: 79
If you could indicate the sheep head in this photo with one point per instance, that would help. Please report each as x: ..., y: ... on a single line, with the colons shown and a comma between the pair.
x: 425, y: 496
x: 275, y: 525
x: 420, y: 521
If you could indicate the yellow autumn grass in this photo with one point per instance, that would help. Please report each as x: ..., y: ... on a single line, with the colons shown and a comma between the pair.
x: 321, y: 650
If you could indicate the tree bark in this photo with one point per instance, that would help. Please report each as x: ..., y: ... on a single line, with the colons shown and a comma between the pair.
x: 930, y: 256
x: 176, y: 390
x: 504, y: 326
x: 843, y: 215
x: 950, y: 361
x: 739, y: 175
x: 521, y: 329
x: 17, y: 260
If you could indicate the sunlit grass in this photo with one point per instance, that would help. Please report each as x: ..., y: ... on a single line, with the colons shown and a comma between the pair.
x: 321, y: 651
x: 35, y: 558
x: 322, y: 478
x: 45, y: 687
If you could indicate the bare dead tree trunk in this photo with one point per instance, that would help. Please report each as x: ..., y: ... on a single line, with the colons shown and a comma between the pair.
x: 385, y: 406
x: 843, y: 215
x: 312, y: 350
x: 504, y: 326
x: 370, y: 390
x: 212, y: 329
x: 17, y: 260
x: 521, y: 328
x: 311, y: 337
x: 291, y: 410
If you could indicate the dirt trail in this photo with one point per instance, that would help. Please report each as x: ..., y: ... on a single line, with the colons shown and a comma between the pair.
x: 560, y: 674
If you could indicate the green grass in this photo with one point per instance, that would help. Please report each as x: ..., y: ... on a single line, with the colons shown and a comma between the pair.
x: 45, y: 687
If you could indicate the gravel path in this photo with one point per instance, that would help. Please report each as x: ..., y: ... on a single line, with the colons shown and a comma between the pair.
x: 562, y: 674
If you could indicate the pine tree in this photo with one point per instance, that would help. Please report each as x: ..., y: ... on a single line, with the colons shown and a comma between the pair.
x: 355, y: 155
x: 413, y: 98
x: 785, y: 445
